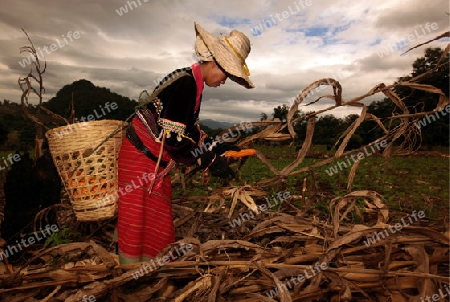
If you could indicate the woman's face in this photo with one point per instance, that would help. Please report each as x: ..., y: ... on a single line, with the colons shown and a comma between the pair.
x: 213, y: 75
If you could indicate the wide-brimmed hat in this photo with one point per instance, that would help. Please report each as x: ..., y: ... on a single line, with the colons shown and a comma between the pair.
x: 229, y: 52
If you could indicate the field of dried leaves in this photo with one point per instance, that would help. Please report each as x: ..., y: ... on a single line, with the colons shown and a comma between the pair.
x: 286, y: 254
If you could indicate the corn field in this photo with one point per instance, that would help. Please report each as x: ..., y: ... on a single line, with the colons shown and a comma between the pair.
x: 283, y: 255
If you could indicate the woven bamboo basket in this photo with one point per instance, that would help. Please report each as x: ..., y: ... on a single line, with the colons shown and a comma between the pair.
x: 88, y: 167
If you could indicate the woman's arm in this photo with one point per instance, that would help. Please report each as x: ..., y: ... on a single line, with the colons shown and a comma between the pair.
x: 178, y: 121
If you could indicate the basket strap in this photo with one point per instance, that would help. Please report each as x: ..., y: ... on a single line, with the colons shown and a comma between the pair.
x: 145, y: 100
x: 148, y: 119
x: 137, y: 142
x: 142, y: 113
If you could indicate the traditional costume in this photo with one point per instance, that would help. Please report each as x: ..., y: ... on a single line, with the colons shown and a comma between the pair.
x: 165, y: 132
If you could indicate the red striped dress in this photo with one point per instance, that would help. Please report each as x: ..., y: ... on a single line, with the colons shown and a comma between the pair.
x: 145, y: 223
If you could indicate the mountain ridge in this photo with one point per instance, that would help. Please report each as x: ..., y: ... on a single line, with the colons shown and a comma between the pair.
x: 213, y: 124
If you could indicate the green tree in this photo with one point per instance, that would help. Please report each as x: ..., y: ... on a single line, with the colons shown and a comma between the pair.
x: 419, y: 100
x: 327, y: 130
x: 280, y: 112
x: 263, y: 116
x: 436, y: 131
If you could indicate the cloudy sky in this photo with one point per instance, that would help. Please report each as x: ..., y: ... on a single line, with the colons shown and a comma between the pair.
x: 127, y: 45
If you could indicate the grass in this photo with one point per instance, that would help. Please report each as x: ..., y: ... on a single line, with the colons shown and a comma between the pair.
x: 406, y: 183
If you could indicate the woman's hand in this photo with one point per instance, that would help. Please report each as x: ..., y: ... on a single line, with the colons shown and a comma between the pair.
x: 221, y: 148
x: 216, y: 164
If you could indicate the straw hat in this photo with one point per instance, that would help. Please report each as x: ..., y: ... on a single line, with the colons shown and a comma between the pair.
x: 229, y: 52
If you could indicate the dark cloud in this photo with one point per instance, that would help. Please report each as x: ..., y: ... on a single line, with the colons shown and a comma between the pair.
x: 128, y: 53
x: 411, y: 13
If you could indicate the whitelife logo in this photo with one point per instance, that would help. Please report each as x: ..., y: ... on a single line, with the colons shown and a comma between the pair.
x: 436, y: 297
x: 243, y: 217
x: 429, y: 118
x: 377, y: 236
x: 131, y: 4
x: 91, y: 117
x: 359, y: 156
x: 53, y: 47
x: 406, y: 40
x: 86, y: 298
x: 11, y: 250
x: 204, y: 147
x: 158, y: 262
x: 266, y: 24
x: 11, y: 158
x: 307, y: 274
x: 140, y: 183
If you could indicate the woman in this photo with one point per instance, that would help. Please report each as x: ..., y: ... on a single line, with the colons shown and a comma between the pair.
x: 166, y: 132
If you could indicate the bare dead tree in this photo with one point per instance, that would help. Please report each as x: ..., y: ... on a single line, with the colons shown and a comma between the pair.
x: 27, y: 84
